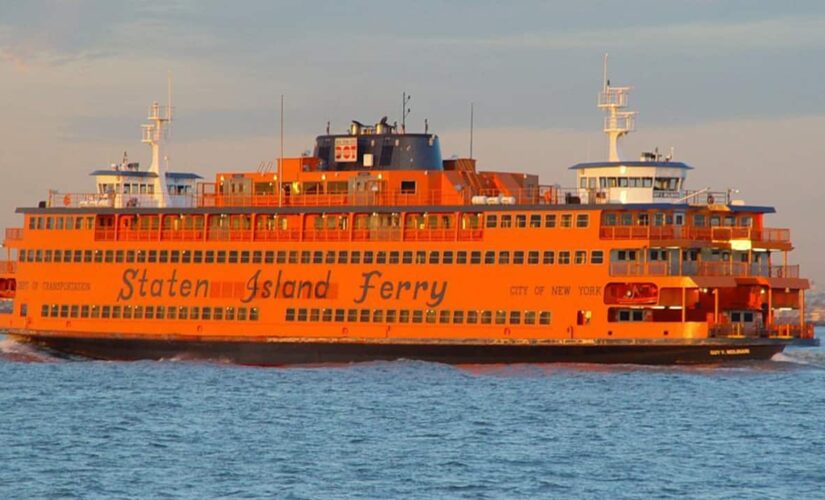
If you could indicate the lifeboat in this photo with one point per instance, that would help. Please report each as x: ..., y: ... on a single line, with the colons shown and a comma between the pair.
x: 631, y: 293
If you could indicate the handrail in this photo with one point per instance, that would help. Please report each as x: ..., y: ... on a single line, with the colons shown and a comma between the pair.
x: 716, y: 269
x: 692, y: 233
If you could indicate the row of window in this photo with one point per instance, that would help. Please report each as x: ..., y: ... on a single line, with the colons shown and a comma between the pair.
x: 458, y: 317
x: 536, y: 220
x: 149, y: 312
x: 314, y: 256
x: 670, y: 218
x: 69, y: 222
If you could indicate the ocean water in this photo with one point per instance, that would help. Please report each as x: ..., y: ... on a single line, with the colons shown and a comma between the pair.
x: 176, y: 429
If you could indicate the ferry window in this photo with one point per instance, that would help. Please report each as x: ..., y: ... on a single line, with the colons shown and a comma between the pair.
x: 245, y: 257
x: 364, y: 316
x: 269, y: 257
x: 501, y: 317
x: 486, y: 317
x: 64, y: 311
x: 49, y: 223
x: 549, y: 257
x: 381, y: 257
x: 172, y: 312
x: 330, y: 258
x: 32, y: 222
x: 96, y: 312
x: 461, y: 257
x: 566, y: 220
x: 406, y: 257
x: 378, y: 316
x: 163, y: 256
x: 609, y: 220
x: 729, y: 220
x: 404, y: 316
x: 518, y: 257
x: 535, y: 220
x: 368, y: 257
x: 391, y: 315
x: 506, y: 221
x: 746, y: 221
x: 627, y: 219
x: 597, y: 257
x: 447, y: 258
x: 206, y: 314
x: 220, y: 256
x: 515, y: 317
x: 59, y: 223
x: 174, y: 256
x: 38, y: 255
x: 504, y: 257
x: 747, y: 317
x: 521, y: 220
x: 242, y: 314
x: 195, y: 312
x: 115, y: 312
x: 550, y: 220
x: 127, y: 312
x: 581, y: 257
x: 314, y: 314
x: 417, y: 316
x: 152, y: 258
x: 160, y: 312
x: 407, y: 187
x: 186, y: 256
x: 444, y: 316
x: 280, y: 257
x: 544, y: 318
x: 434, y: 257
x: 342, y: 256
x: 475, y: 257
x: 529, y: 317
x: 98, y: 256
x: 352, y: 315
x: 74, y: 311
x: 317, y: 257
x: 77, y: 256
x: 458, y: 317
x: 339, y: 315
x: 217, y: 314
x: 658, y: 219
x: 44, y: 310
x: 420, y: 257
x: 55, y: 311
x: 395, y: 257
x: 472, y: 317
x: 489, y: 257
x: 492, y: 221
x: 715, y: 221
x: 533, y: 257
x: 209, y: 256
x: 564, y: 257
x: 355, y: 258
x: 430, y: 316
x: 582, y: 220
x: 40, y: 223
x: 233, y: 256
x: 84, y: 311
x: 47, y: 256
x: 699, y: 220
x: 119, y: 256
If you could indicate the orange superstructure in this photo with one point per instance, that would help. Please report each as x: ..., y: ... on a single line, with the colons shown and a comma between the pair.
x: 376, y: 248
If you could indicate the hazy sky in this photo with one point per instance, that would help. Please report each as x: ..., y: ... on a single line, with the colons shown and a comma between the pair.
x: 738, y: 87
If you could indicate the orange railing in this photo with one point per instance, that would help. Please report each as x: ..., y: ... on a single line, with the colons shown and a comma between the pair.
x: 730, y: 269
x: 795, y: 330
x: 8, y: 267
x: 765, y: 235
x: 14, y: 233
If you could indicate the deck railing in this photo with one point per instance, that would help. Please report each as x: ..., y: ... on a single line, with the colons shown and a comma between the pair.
x: 718, y: 269
x: 14, y: 233
x: 671, y: 233
x: 794, y: 330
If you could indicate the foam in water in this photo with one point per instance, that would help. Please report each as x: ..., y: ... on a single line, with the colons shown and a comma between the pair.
x: 12, y: 350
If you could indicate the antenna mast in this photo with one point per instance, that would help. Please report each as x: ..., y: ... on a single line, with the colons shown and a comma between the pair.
x: 616, y: 123
x: 279, y: 182
x: 472, y: 108
x: 405, y: 99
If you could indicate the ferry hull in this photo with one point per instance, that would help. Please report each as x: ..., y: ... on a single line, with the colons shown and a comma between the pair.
x: 302, y: 352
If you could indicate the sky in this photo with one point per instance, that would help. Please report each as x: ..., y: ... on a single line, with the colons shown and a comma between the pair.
x: 737, y: 88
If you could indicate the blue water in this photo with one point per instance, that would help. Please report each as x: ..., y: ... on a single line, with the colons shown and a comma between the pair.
x: 409, y: 429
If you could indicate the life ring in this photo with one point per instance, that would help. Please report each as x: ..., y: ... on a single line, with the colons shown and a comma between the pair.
x: 67, y: 200
x: 710, y: 199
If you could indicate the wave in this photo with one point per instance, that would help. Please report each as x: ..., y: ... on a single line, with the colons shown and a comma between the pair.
x: 12, y: 350
x: 802, y: 356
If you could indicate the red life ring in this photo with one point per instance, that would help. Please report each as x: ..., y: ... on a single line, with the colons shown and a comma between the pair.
x: 67, y: 200
x: 710, y: 199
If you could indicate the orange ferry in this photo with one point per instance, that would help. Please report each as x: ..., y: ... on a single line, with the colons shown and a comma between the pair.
x: 375, y: 248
